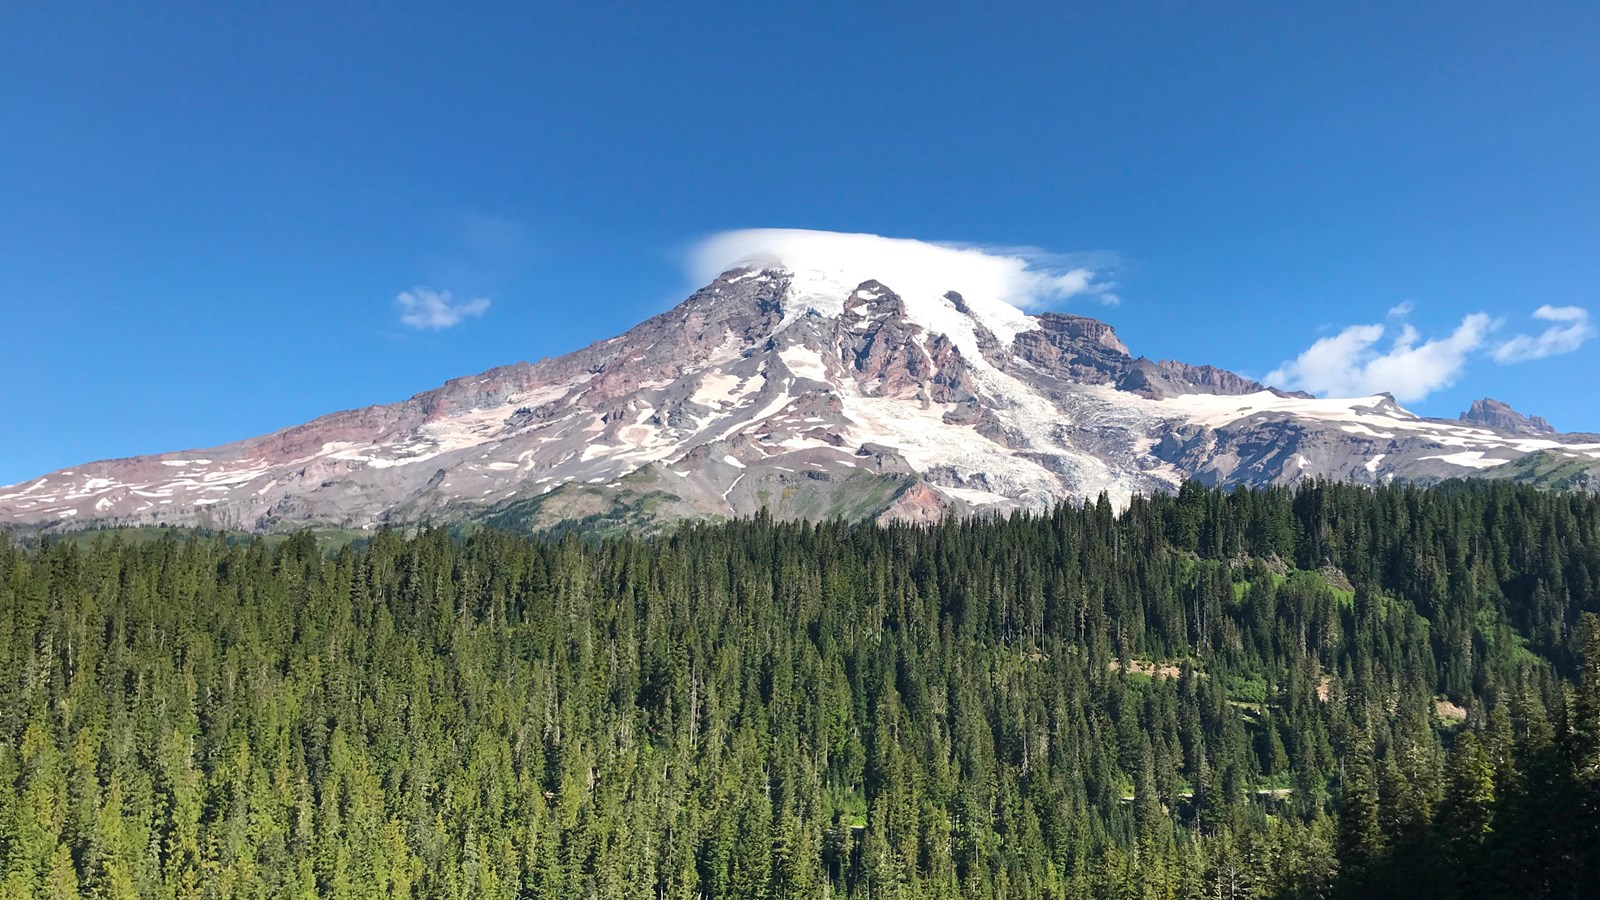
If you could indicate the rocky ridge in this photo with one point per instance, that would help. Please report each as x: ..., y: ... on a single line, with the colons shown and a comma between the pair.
x: 1491, y: 413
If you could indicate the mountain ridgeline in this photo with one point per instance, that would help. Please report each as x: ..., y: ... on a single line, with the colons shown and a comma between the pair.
x: 1324, y: 690
x: 812, y: 395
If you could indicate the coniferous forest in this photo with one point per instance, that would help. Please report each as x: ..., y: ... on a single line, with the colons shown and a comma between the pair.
x: 1314, y: 692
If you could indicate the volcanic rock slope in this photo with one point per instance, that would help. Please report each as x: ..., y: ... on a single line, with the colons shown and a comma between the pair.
x: 803, y: 394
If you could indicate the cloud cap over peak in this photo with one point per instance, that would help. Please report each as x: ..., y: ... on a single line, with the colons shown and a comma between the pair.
x: 1024, y: 278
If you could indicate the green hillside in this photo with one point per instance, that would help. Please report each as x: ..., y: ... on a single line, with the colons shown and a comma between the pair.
x: 1326, y: 691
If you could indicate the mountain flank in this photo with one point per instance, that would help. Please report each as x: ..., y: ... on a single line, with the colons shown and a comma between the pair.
x: 793, y: 390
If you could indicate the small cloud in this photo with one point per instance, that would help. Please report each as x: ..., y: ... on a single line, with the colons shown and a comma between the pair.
x: 425, y: 308
x: 1570, y: 331
x: 1402, y: 309
x: 1351, y: 364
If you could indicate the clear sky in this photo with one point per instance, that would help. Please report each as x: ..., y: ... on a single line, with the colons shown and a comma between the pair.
x: 215, y: 223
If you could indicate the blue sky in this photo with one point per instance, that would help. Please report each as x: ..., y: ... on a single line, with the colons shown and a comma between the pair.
x: 207, y: 214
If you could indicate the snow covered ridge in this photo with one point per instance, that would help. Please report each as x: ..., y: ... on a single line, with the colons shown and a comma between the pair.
x: 804, y: 383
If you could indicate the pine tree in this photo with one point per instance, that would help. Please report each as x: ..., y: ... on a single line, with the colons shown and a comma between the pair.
x: 1466, y: 820
x: 1361, y: 842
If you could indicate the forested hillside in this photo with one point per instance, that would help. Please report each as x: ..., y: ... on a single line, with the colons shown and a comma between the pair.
x: 1332, y: 690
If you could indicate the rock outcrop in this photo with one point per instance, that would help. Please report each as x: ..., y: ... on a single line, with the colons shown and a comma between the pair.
x: 1491, y: 413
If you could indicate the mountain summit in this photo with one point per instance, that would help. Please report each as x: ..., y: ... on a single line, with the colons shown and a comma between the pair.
x: 1491, y: 413
x: 806, y: 390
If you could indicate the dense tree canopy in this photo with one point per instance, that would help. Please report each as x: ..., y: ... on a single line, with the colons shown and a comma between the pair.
x: 1238, y: 694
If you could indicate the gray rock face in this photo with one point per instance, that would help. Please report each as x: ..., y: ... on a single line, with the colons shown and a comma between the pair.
x: 771, y: 389
x: 1074, y: 347
x: 1491, y: 413
x: 1169, y: 378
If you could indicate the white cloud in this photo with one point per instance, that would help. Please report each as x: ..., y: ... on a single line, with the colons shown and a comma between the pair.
x: 1023, y: 278
x: 1570, y: 331
x: 425, y: 308
x: 1351, y: 364
x: 1402, y: 309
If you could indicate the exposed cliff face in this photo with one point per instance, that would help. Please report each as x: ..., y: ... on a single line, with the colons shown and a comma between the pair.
x: 1491, y: 413
x: 1075, y: 348
x: 1169, y: 378
x: 1088, y: 351
x: 768, y: 389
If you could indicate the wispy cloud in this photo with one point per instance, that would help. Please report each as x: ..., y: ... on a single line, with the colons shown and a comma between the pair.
x: 1402, y: 309
x: 479, y: 251
x: 1570, y: 331
x: 1352, y: 363
x: 424, y: 308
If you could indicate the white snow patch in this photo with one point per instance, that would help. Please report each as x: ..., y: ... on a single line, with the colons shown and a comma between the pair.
x: 804, y: 362
x: 25, y: 491
x: 1470, y: 458
x: 1366, y: 432
x: 1218, y: 410
x: 801, y: 442
x: 717, y: 388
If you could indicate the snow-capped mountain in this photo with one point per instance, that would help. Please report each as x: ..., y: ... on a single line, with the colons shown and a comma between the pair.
x: 809, y: 390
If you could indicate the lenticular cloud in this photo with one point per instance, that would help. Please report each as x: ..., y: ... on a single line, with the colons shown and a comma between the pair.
x: 1022, y: 279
